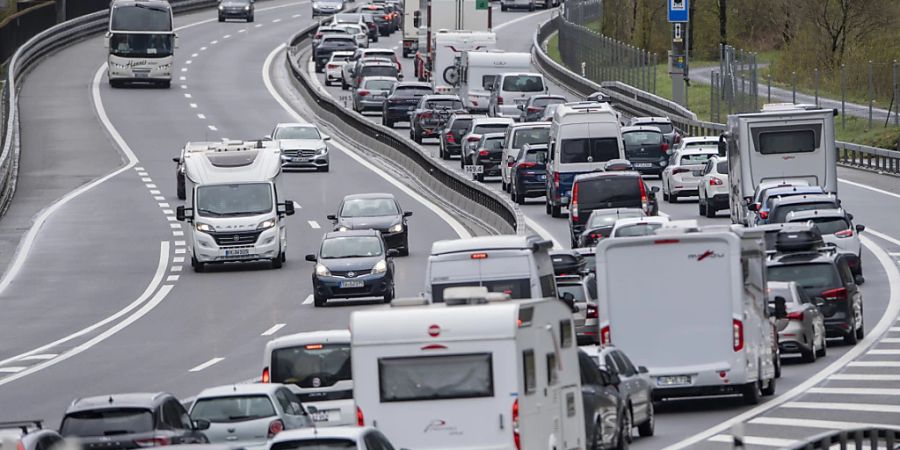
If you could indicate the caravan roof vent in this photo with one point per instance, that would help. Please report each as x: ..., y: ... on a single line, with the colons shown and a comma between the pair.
x: 233, y: 159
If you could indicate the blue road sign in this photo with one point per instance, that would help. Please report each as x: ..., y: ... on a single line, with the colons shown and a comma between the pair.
x: 678, y: 10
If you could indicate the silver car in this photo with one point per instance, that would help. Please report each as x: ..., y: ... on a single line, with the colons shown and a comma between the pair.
x: 585, y: 317
x: 249, y: 413
x: 803, y: 330
x: 634, y: 385
x: 372, y: 92
x: 29, y: 435
x: 302, y: 146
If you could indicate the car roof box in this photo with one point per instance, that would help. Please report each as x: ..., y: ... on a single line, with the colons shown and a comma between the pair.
x: 798, y: 239
x: 567, y: 262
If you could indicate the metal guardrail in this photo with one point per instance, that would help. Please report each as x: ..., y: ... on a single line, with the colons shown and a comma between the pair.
x: 860, y: 438
x: 635, y: 102
x: 469, y: 197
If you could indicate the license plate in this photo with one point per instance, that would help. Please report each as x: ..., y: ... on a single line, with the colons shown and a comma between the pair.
x: 642, y: 165
x: 469, y: 168
x: 299, y: 159
x: 352, y: 284
x: 141, y: 75
x: 520, y: 101
x: 330, y: 415
x: 238, y: 252
x: 678, y: 380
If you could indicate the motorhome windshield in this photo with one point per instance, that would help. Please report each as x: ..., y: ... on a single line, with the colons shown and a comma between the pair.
x: 423, y: 378
x: 140, y: 17
x: 155, y: 45
x: 230, y: 200
x: 312, y: 365
x: 584, y: 150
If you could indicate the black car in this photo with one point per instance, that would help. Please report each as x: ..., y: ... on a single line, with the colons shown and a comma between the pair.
x: 825, y: 275
x: 529, y: 173
x: 379, y: 212
x: 533, y: 109
x: 601, y: 222
x: 369, y: 20
x: 604, y: 406
x: 402, y: 99
x: 487, y: 155
x: 452, y: 134
x: 130, y: 421
x: 236, y: 9
x: 603, y: 190
x: 332, y: 43
x: 323, y: 31
x: 382, y: 18
x: 353, y: 264
x: 431, y: 115
x: 646, y: 148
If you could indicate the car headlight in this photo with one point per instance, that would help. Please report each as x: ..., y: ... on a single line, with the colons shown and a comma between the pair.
x: 342, y: 228
x: 221, y: 6
x: 204, y: 227
x: 322, y: 271
x: 247, y: 8
x: 266, y: 224
x: 396, y: 228
x: 380, y: 267
x: 322, y: 151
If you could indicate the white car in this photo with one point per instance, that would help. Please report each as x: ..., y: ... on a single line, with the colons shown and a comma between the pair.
x: 678, y: 179
x: 713, y: 188
x: 358, y: 32
x: 302, y: 146
x: 836, y: 226
x: 351, y: 438
x: 638, y: 226
x: 711, y: 142
x: 334, y: 67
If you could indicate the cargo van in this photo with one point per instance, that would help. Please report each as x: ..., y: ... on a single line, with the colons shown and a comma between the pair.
x: 316, y: 367
x: 519, y: 266
x: 500, y: 375
x: 511, y: 91
x: 233, y: 208
x: 783, y: 142
x: 583, y: 137
x: 477, y: 70
x: 702, y: 327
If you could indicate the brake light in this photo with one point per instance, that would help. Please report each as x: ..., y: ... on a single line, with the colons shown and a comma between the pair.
x: 573, y: 208
x: 156, y: 441
x: 715, y: 182
x: 473, y: 139
x: 666, y: 241
x: 833, y: 295
x: 592, y: 311
x: 596, y: 236
x: 275, y: 427
x: 664, y: 147
x: 360, y: 420
x: 451, y: 138
x: 318, y: 36
x: 483, y: 152
x: 644, y: 200
x: 526, y: 165
x: 426, y: 115
x: 737, y: 329
x: 332, y: 66
x: 556, y: 179
x: 533, y: 109
x: 20, y: 445
x: 499, y: 100
x: 796, y: 315
x: 480, y: 255
x: 605, y: 336
x: 763, y: 214
x: 362, y: 93
x: 515, y: 425
x: 844, y: 233
x: 680, y: 170
x: 265, y: 375
x: 399, y: 67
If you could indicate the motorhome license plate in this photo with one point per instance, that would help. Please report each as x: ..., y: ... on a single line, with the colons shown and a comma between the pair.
x: 643, y: 165
x: 678, y: 380
x: 237, y: 252
x: 352, y: 284
x: 520, y: 101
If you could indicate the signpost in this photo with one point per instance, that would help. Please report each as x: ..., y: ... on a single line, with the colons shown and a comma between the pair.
x: 678, y: 56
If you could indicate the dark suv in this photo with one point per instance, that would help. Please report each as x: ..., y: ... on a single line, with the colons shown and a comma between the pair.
x: 329, y: 44
x: 452, y: 134
x: 603, y: 190
x: 128, y: 421
x: 825, y: 276
x: 431, y: 115
x: 402, y: 100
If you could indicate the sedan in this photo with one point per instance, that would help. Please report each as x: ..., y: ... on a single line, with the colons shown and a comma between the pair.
x: 379, y: 212
x: 646, y: 149
x: 236, y: 9
x: 803, y: 328
x: 326, y: 7
x: 638, y: 226
x: 302, y: 146
x: 633, y: 385
x: 533, y: 109
x: 249, y: 413
x: 371, y: 93
x: 353, y: 264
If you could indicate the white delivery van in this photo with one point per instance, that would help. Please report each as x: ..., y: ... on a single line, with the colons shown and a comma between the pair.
x: 447, y: 47
x: 519, y: 266
x: 702, y: 326
x: 583, y: 137
x: 783, y: 142
x: 477, y: 70
x: 511, y: 91
x: 499, y: 376
x: 316, y: 367
x: 233, y: 210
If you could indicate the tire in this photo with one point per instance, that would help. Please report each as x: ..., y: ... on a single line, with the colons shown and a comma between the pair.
x: 503, y: 8
x: 710, y: 211
x: 319, y: 301
x: 250, y: 19
x: 389, y: 295
x: 823, y: 352
x: 442, y: 153
x: 115, y: 84
x: 597, y: 438
x: 325, y: 168
x: 165, y: 84
x: 861, y: 331
x: 531, y: 7
x: 625, y: 428
x: 375, y: 39
x: 221, y: 19
x: 179, y: 186
x: 388, y: 123
x: 808, y: 357
x: 666, y: 196
x: 479, y: 177
x: 777, y: 364
x: 673, y: 197
x: 503, y: 185
x: 556, y: 211
x: 519, y: 197
x: 547, y: 206
x: 702, y: 207
x: 278, y: 261
x: 344, y: 85
x: 198, y: 266
x: 647, y: 428
x: 327, y: 81
x: 850, y: 338
x: 751, y: 393
x: 769, y: 390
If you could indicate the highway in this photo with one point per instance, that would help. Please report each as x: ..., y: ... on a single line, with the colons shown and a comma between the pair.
x: 105, y: 281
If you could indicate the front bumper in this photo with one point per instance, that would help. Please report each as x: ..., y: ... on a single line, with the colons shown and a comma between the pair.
x: 644, y: 166
x: 206, y: 250
x: 370, y: 104
x: 235, y: 13
x: 305, y: 161
x: 373, y: 286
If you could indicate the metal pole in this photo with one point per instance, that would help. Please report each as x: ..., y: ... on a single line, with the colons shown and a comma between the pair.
x: 654, y: 72
x: 769, y: 87
x: 896, y: 78
x: 712, y: 97
x: 816, y: 71
x: 843, y: 99
x: 755, y: 79
x: 794, y: 87
x: 871, y: 81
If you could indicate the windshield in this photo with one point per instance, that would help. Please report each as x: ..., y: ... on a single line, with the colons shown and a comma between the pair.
x: 435, y: 377
x: 829, y: 225
x: 312, y: 365
x: 531, y: 136
x: 107, y: 422
x: 523, y: 83
x: 382, y: 85
x: 369, y: 207
x: 247, y: 199
x: 693, y: 160
x: 544, y: 101
x: 639, y: 138
x: 576, y: 290
x: 141, y: 45
x: 781, y: 212
x: 316, y: 444
x: 351, y: 247
x: 817, y: 275
x: 638, y: 229
x: 444, y: 104
x: 233, y: 409
x: 588, y: 150
x: 140, y: 17
x: 296, y: 133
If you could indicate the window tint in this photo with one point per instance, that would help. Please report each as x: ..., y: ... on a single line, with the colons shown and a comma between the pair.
x: 297, y: 133
x: 693, y: 160
x: 576, y: 289
x: 435, y: 377
x: 531, y: 136
x: 552, y: 375
x: 247, y: 199
x: 565, y: 332
x: 316, y: 444
x: 141, y: 18
x: 351, y: 247
x: 617, y: 192
x: 312, y: 366
x: 588, y: 150
x: 171, y: 416
x: 234, y: 409
x: 787, y: 141
x: 492, y: 128
x: 829, y: 225
x: 590, y: 374
x: 517, y: 288
x: 412, y: 91
x: 379, y: 84
x: 781, y: 212
x: 528, y: 371
x: 548, y: 286
x: 444, y: 104
x: 844, y: 270
x: 535, y: 156
x: 625, y: 366
x: 461, y: 124
x: 544, y: 101
x: 638, y: 229
x: 815, y: 275
x: 664, y: 127
x: 378, y: 71
x: 523, y: 83
x: 107, y: 422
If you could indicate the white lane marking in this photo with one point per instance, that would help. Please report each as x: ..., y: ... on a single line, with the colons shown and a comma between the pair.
x: 161, y: 293
x: 184, y: 69
x: 177, y: 233
x: 179, y: 251
x: 138, y: 168
x: 12, y: 369
x: 171, y: 218
x: 309, y: 299
x: 276, y: 21
x: 212, y: 128
x: 189, y: 61
x: 157, y: 197
x: 295, y: 16
x: 863, y: 407
x: 273, y: 330
x: 213, y: 42
x: 874, y: 364
x: 182, y: 78
x: 863, y: 377
x: 202, y: 49
x: 755, y: 440
x: 812, y: 423
x: 201, y: 116
x: 884, y: 351
x: 187, y: 95
x: 143, y: 174
x: 193, y: 105
x: 313, y: 224
x: 168, y: 212
x: 174, y: 226
x: 150, y: 185
x: 178, y: 259
x: 173, y: 277
x: 206, y: 364
x: 893, y: 308
x: 176, y: 269
x: 894, y: 329
x: 242, y: 30
x: 227, y: 36
x: 179, y: 243
x: 890, y: 341
x: 458, y: 228
x: 854, y: 391
x: 297, y: 205
x: 39, y: 357
x: 194, y: 55
x: 146, y: 179
x: 184, y: 86
x: 258, y: 25
x: 894, y: 253
x: 866, y: 186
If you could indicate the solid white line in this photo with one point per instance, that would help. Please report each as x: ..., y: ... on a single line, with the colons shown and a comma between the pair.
x: 863, y: 377
x: 890, y: 341
x: 309, y: 299
x: 539, y: 229
x: 273, y: 330
x: 873, y: 189
x: 863, y: 407
x: 854, y: 391
x: 313, y: 224
x: 12, y: 369
x: 206, y: 364
x: 882, y: 236
x: 812, y: 423
x: 884, y: 351
x: 893, y: 309
x: 874, y: 364
x: 755, y: 440
x: 460, y: 230
x: 39, y: 357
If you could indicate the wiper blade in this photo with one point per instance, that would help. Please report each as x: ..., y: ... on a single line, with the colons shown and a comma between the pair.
x: 208, y: 212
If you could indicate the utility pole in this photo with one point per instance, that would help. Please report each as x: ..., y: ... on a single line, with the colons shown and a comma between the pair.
x: 678, y: 56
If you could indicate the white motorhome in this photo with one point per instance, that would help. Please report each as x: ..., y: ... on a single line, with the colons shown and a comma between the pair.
x: 447, y: 47
x: 702, y: 326
x: 233, y: 210
x: 503, y: 375
x: 477, y: 70
x: 519, y: 266
x: 316, y: 367
x: 413, y: 20
x: 781, y: 142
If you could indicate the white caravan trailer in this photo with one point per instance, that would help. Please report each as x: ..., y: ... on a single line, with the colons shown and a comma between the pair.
x: 477, y: 70
x: 447, y: 47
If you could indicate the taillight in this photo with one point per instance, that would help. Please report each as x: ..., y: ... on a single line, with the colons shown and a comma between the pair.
x: 715, y: 182
x: 451, y: 138
x: 605, y: 336
x: 592, y: 311
x: 737, y: 330
x: 526, y: 165
x: 20, y: 445
x: 332, y: 66
x: 515, y: 425
x: 644, y: 200
x: 426, y: 115
x: 483, y: 153
x: 835, y: 294
x: 556, y: 179
x: 265, y: 375
x: 573, y: 208
x: 596, y: 236
x: 362, y: 93
x: 796, y: 315
x: 499, y: 100
x: 844, y: 233
x: 533, y: 109
x: 399, y: 67
x: 680, y: 170
x: 763, y: 214
x: 664, y: 147
x: 157, y: 441
x: 276, y: 426
x: 360, y: 420
x: 473, y: 139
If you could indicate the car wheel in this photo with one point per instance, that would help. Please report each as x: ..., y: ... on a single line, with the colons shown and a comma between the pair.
x: 479, y: 177
x: 503, y: 8
x: 665, y: 194
x: 702, y: 207
x: 624, y: 432
x: 250, y: 19
x: 710, y: 211
x: 557, y: 211
x: 777, y: 363
x: 647, y: 428
x: 547, y: 205
x: 751, y: 393
x: 417, y: 138
x: 277, y: 262
x: 520, y: 197
x: 319, y: 300
x: 769, y: 390
x: 165, y: 84
x: 327, y: 81
x: 673, y: 197
x: 809, y: 356
x: 531, y: 7
x: 850, y: 338
x: 503, y: 185
x: 861, y: 331
x: 344, y: 85
x: 324, y: 168
x: 221, y: 19
x: 198, y: 266
x: 823, y: 350
x: 389, y: 295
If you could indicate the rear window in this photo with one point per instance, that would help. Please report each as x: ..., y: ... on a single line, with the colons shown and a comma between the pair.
x: 494, y: 143
x: 664, y: 127
x: 516, y: 288
x: 616, y: 191
x: 536, y: 156
x: 412, y: 91
x: 233, y: 409
x: 588, y: 150
x: 107, y: 422
x: 316, y: 444
x: 388, y: 54
x: 340, y: 58
x: 547, y: 101
x: 693, y: 160
x: 531, y: 136
x: 576, y: 290
x: 638, y: 229
x: 311, y: 366
x: 523, y: 83
x: 426, y: 378
x: 461, y: 124
x: 446, y: 104
x: 379, y: 84
x: 492, y: 128
x: 600, y: 220
x: 786, y: 141
x: 696, y: 144
x: 781, y: 212
x: 722, y: 167
x: 487, y: 81
x: 378, y: 71
x: 638, y: 138
x: 829, y: 225
x: 814, y: 275
x: 339, y: 41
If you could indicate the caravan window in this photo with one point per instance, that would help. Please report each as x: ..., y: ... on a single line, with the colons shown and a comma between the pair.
x: 523, y: 83
x: 565, y: 333
x: 589, y: 150
x: 789, y: 139
x: 515, y: 288
x: 552, y: 376
x: 529, y: 371
x: 435, y: 377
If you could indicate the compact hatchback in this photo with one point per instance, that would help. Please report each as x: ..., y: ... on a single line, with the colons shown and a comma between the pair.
x: 713, y: 188
x: 646, y: 148
x: 601, y: 222
x: 528, y: 175
x: 802, y: 330
x: 372, y: 93
x: 353, y: 264
x: 837, y: 229
x: 608, y: 190
x: 375, y: 211
x: 678, y: 177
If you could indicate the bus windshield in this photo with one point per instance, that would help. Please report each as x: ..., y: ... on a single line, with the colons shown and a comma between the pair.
x: 155, y: 45
x: 140, y: 17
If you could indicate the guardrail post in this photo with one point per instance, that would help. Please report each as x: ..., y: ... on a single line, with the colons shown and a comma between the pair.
x: 816, y: 73
x: 769, y: 87
x: 843, y: 98
x: 870, y: 93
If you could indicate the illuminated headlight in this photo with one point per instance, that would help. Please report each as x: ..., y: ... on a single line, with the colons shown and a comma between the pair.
x: 322, y: 271
x: 342, y: 228
x: 380, y: 267
x: 266, y: 224
x: 206, y: 228
x: 247, y: 8
x: 221, y: 7
x: 396, y: 228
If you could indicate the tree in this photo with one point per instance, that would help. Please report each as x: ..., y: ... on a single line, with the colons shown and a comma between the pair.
x: 723, y: 22
x: 845, y: 24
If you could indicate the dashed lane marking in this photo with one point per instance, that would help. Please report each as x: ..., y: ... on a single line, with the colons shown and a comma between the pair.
x: 201, y: 116
x: 874, y: 364
x: 855, y: 391
x: 863, y: 377
x: 193, y: 105
x: 207, y: 364
x: 187, y: 96
x: 273, y: 330
x: 813, y: 423
x: 212, y: 128
x: 309, y: 300
x: 313, y: 224
x: 171, y: 278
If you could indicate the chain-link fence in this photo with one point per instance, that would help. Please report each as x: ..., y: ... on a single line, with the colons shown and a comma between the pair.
x: 597, y: 57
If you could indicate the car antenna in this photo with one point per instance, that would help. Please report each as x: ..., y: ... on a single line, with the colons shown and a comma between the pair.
x: 234, y: 387
x: 110, y: 399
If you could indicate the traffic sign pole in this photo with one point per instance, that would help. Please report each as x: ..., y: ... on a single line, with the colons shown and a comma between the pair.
x: 678, y: 15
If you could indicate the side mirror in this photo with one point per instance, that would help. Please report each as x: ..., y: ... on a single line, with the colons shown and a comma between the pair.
x: 753, y: 207
x: 654, y: 189
x: 723, y: 145
x: 201, y: 424
x: 860, y: 228
x: 326, y: 138
x: 176, y: 160
x: 780, y: 308
x: 859, y: 279
x: 288, y: 207
x: 642, y: 369
x: 521, y: 107
x: 392, y: 252
x: 331, y: 217
x: 267, y: 137
x: 850, y: 216
x: 407, y: 213
x: 569, y: 300
x: 311, y: 258
x: 182, y: 214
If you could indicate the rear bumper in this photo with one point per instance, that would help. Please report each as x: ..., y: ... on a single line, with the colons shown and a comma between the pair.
x: 660, y: 393
x: 398, y: 112
x: 719, y: 201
